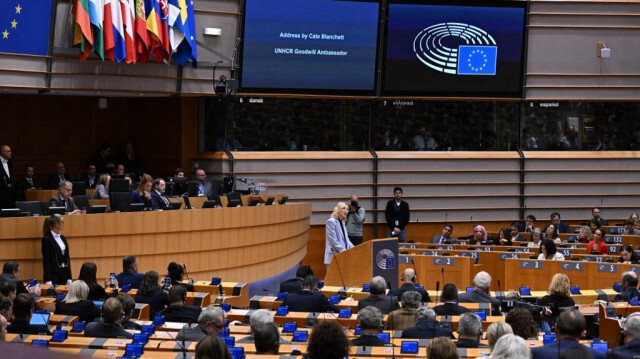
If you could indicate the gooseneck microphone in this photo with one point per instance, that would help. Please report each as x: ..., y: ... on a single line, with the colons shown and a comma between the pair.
x: 184, y: 266
x: 433, y: 327
x: 344, y: 287
x: 500, y: 296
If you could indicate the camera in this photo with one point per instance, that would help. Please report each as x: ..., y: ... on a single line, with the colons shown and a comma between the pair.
x: 355, y: 205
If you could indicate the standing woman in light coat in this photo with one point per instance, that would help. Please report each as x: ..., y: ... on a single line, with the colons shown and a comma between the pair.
x: 337, y: 239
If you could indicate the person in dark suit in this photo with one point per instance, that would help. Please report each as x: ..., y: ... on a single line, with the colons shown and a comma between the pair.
x: 631, y: 345
x: 101, y: 160
x: 28, y: 182
x: 370, y: 320
x: 469, y: 331
x: 267, y: 339
x: 308, y: 300
x: 130, y: 273
x: 426, y: 326
x: 56, y: 261
x: 595, y: 211
x: 151, y: 292
x: 409, y: 280
x: 11, y: 274
x: 445, y: 237
x: 449, y: 304
x: 90, y: 178
x: 178, y: 310
x: 128, y: 305
x: 176, y: 274
x: 76, y: 303
x: 629, y: 283
x: 6, y: 178
x: 204, y: 187
x: 515, y: 235
x: 143, y: 193
x: 397, y: 214
x: 481, y: 293
x: 23, y: 307
x: 569, y: 327
x: 529, y: 221
x: 257, y: 318
x: 386, y: 304
x: 64, y: 199
x: 561, y: 227
x: 158, y: 195
x: 295, y: 284
x: 109, y: 326
x: 55, y: 178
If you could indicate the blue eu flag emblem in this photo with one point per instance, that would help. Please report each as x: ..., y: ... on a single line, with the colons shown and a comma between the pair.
x: 477, y: 60
x: 24, y: 26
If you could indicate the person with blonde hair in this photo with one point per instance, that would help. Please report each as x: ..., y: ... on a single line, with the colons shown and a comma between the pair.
x: 76, y: 303
x: 442, y: 348
x: 559, y: 295
x: 143, y: 193
x: 337, y: 239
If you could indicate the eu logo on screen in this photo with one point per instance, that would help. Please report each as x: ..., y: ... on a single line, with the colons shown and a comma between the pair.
x: 477, y: 60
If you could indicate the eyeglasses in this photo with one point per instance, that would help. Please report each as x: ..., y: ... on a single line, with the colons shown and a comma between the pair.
x: 68, y: 189
x: 217, y: 325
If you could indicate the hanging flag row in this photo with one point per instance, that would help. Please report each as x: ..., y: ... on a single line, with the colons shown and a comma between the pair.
x: 136, y: 30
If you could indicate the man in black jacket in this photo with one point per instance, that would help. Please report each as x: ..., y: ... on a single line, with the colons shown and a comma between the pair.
x: 481, y: 293
x: 469, y: 331
x: 397, y: 215
x: 629, y: 283
x: 178, y: 311
x: 22, y: 313
x: 370, y: 320
x: 377, y: 299
x: 295, y: 284
x: 6, y: 178
x: 109, y: 326
x: 308, y: 300
x: 426, y: 326
x: 409, y: 280
x: 11, y: 273
x: 450, y: 298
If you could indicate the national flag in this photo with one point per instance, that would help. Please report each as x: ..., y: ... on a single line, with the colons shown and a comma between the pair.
x: 24, y: 26
x: 114, y: 49
x: 187, y: 49
x: 83, y: 35
x: 165, y: 54
x: 128, y: 19
x: 154, y: 25
x: 477, y: 60
x: 142, y: 37
x: 177, y: 13
x: 96, y: 15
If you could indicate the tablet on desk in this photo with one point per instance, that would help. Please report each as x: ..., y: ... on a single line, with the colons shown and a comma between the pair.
x: 345, y: 313
x: 78, y: 327
x: 133, y: 350
x: 229, y: 341
x: 525, y: 290
x: 59, y: 336
x: 469, y: 289
x: 384, y: 336
x: 409, y: 347
x: 600, y: 346
x: 237, y: 352
x: 334, y: 299
x: 281, y: 296
x: 481, y: 313
x: 282, y: 310
x: 289, y: 327
x: 148, y: 329
x: 300, y: 336
x: 140, y: 338
x: 39, y: 318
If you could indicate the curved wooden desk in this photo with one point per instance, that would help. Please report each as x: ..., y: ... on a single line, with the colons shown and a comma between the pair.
x: 243, y: 244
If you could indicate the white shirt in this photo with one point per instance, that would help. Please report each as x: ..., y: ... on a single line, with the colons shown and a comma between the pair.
x: 5, y: 164
x: 56, y: 236
x: 556, y: 257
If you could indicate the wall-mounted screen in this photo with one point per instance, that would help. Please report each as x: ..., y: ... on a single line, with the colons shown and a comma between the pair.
x: 309, y: 46
x: 444, y: 50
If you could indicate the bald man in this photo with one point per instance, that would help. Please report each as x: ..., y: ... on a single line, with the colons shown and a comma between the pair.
x: 629, y: 283
x: 409, y: 281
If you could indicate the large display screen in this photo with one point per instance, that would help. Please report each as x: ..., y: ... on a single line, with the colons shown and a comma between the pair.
x: 309, y: 46
x: 462, y: 49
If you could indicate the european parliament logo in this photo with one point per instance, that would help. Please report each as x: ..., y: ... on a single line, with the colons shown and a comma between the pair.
x: 24, y: 26
x: 457, y: 49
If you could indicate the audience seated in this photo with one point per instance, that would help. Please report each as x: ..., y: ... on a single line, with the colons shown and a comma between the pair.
x: 102, y: 188
x: 510, y: 346
x: 426, y: 326
x: 628, y: 255
x: 176, y: 273
x: 514, y: 232
x: 445, y: 237
x: 6, y: 307
x: 522, y: 323
x: 630, y: 228
x: 76, y: 303
x: 370, y: 320
x: 308, y: 300
x: 130, y: 273
x: 143, y: 193
x: 128, y: 305
x: 535, y: 239
x: 409, y: 280
x: 178, y: 310
x: 559, y: 295
x: 295, y: 284
x: 495, y: 331
x: 629, y: 283
x: 8, y: 290
x: 158, y: 193
x: 258, y: 317
x: 442, y: 348
x: 267, y: 339
x: 631, y: 347
x: 548, y: 251
x: 212, y: 347
x: 88, y: 275
x: 210, y: 323
x: 561, y: 227
x: 469, y: 331
x: 109, y: 326
x: 22, y: 312
x: 481, y: 293
x: 597, y: 217
x: 569, y: 327
x: 449, y: 300
x: 151, y: 292
x: 377, y: 299
x: 11, y: 274
x: 598, y: 245
x: 327, y: 340
x: 3, y: 328
x: 406, y: 316
x: 64, y: 199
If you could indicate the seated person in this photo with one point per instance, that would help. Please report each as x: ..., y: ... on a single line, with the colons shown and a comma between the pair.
x: 409, y: 280
x: 628, y: 255
x: 629, y: 283
x: 630, y: 228
x: 548, y: 251
x: 631, y: 346
x: 481, y: 293
x: 128, y: 305
x: 529, y: 221
x: 445, y: 237
x: 511, y: 346
x: 377, y: 299
x: 158, y: 194
x: 143, y: 193
x: 176, y: 273
x: 64, y: 199
x: 151, y: 292
x: 88, y: 275
x: 22, y: 313
x: 6, y: 307
x: 535, y: 239
x: 551, y: 233
x: 480, y: 236
x: 598, y: 245
x: 257, y: 318
x: 76, y: 303
x: 11, y: 273
x: 469, y: 331
x: 559, y: 295
x: 503, y: 238
x: 597, y: 217
x: 370, y: 320
x: 178, y: 310
x: 102, y: 188
x: 109, y: 326
x: 405, y: 317
x: 130, y: 273
x: 441, y: 347
x: 426, y: 326
x: 308, y: 300
x: 3, y: 328
x: 449, y: 300
x: 515, y: 234
x: 295, y: 284
x: 522, y: 323
x: 495, y: 331
x: 569, y: 327
x: 267, y: 339
x: 212, y: 347
x: 210, y: 323
x: 8, y: 289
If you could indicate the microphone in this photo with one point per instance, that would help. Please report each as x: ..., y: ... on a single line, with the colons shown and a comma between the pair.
x: 500, y: 295
x: 437, y: 290
x: 184, y: 266
x: 433, y: 327
x: 415, y: 272
x: 443, y: 282
x: 344, y: 287
x: 182, y: 345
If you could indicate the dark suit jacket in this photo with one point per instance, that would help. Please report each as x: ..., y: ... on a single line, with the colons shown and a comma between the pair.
x: 156, y: 300
x: 106, y: 330
x: 56, y: 266
x: 97, y: 292
x: 158, y: 199
x: 131, y: 278
x: 23, y: 327
x: 427, y: 329
x: 85, y: 179
x: 6, y: 186
x: 308, y: 301
x: 181, y: 313
x: 56, y: 201
x: 54, y: 180
x: 291, y: 285
x: 385, y: 303
x: 135, y: 197
x: 563, y: 227
x: 550, y: 351
x: 406, y: 287
x: 391, y: 214
x: 627, y: 295
x: 436, y: 240
x: 188, y: 287
x: 626, y: 351
x: 84, y: 309
x: 20, y: 288
x: 23, y: 185
x: 450, y: 309
x: 466, y: 343
x: 368, y: 341
x: 478, y: 296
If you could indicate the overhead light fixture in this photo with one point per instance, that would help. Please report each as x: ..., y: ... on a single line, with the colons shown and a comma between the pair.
x: 213, y: 31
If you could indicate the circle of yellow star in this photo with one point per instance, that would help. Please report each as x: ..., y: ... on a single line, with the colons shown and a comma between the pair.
x: 18, y: 9
x: 5, y: 34
x: 14, y: 24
